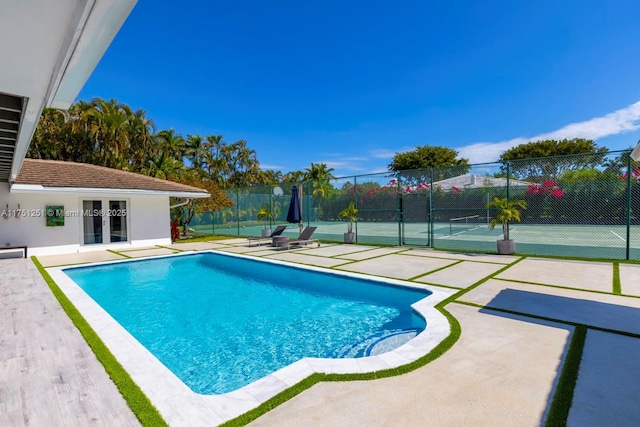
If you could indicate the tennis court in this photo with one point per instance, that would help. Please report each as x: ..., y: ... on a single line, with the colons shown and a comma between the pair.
x: 576, y: 206
x: 588, y: 241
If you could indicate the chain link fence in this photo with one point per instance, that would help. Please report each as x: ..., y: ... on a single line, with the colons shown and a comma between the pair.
x: 585, y: 206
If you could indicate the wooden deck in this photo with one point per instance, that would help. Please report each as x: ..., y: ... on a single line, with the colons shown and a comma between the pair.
x: 48, y: 374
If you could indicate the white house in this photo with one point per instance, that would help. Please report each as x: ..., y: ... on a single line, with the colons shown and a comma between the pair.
x: 472, y: 180
x: 62, y: 207
x: 49, y: 49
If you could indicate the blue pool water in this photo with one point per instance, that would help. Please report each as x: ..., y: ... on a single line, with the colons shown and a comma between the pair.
x: 220, y: 322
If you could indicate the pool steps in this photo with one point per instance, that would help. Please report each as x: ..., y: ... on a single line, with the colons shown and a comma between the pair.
x: 378, y: 343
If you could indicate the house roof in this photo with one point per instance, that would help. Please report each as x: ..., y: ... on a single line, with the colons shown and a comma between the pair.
x: 59, y: 176
x: 472, y: 180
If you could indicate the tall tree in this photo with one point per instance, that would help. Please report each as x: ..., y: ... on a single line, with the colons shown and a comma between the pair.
x: 141, y: 130
x: 444, y: 160
x: 320, y: 175
x: 569, y: 154
x: 163, y: 166
x: 108, y: 125
x: 269, y: 177
x: 111, y: 134
x: 214, y: 161
x: 216, y: 201
x: 194, y: 150
x: 169, y: 143
x: 243, y: 165
x: 294, y: 176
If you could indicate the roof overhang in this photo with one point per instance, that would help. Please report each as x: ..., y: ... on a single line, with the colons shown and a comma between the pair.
x: 635, y: 154
x: 51, y: 49
x: 39, y: 189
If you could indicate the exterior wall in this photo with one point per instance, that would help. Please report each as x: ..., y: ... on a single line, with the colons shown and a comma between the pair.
x: 150, y: 220
x: 147, y: 222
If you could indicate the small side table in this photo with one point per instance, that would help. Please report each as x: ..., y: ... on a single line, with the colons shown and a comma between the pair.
x: 281, y: 241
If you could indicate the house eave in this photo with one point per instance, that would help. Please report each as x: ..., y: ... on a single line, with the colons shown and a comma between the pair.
x: 39, y: 189
x: 53, y: 49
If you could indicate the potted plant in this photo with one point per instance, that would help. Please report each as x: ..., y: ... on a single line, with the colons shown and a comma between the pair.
x: 265, y: 214
x: 508, y: 210
x: 350, y: 214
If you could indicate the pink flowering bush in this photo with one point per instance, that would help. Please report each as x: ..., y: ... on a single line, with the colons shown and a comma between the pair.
x: 540, y: 197
x: 423, y: 187
x: 635, y: 175
x: 547, y: 188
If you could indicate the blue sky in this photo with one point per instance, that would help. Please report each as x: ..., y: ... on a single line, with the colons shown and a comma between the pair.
x: 351, y: 83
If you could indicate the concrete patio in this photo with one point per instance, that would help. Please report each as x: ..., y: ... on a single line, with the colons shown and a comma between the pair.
x: 502, y: 371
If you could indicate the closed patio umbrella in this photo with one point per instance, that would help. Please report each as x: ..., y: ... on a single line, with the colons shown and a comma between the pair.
x: 294, y: 216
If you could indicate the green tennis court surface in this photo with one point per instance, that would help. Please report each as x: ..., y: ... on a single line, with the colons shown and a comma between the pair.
x: 589, y: 241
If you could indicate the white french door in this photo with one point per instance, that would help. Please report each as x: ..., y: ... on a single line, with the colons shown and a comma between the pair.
x: 104, y: 221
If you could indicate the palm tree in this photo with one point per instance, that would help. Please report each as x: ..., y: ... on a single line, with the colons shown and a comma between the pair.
x: 141, y: 131
x: 166, y: 141
x: 269, y: 177
x: 319, y: 171
x: 294, y: 176
x: 163, y: 166
x: 320, y: 174
x: 243, y: 164
x: 109, y: 126
x: 195, y: 151
x: 213, y: 158
x: 508, y: 210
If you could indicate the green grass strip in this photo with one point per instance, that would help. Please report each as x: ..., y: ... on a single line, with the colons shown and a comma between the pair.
x: 119, y: 253
x: 298, y: 388
x: 206, y: 238
x: 435, y: 271
x: 576, y: 258
x: 551, y: 319
x: 480, y: 282
x: 592, y: 291
x: 562, y: 398
x: 135, y: 398
x: 617, y: 287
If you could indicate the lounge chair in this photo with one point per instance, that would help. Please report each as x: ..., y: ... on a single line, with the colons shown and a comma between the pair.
x: 278, y: 231
x: 304, y: 238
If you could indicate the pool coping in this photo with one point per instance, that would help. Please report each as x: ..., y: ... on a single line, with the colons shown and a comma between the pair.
x: 179, y: 405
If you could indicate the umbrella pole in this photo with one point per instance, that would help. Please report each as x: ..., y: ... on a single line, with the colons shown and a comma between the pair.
x: 300, y: 223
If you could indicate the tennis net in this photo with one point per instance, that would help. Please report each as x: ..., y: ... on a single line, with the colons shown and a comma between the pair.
x: 464, y: 223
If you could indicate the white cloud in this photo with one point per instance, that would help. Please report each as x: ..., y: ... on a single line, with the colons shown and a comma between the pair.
x: 344, y: 166
x: 380, y: 170
x: 620, y: 121
x: 486, y: 152
x: 388, y: 154
x: 265, y: 167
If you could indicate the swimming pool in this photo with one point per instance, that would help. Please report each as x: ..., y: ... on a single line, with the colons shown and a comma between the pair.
x: 181, y: 406
x: 220, y: 322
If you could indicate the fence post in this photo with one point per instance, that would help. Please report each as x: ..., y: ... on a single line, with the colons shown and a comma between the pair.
x: 271, y: 207
x: 238, y: 211
x: 355, y: 202
x: 399, y: 209
x: 508, y: 181
x: 309, y: 187
x: 430, y: 243
x: 628, y: 206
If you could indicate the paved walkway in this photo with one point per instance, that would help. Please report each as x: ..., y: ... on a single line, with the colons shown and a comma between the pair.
x: 48, y: 374
x: 502, y: 371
